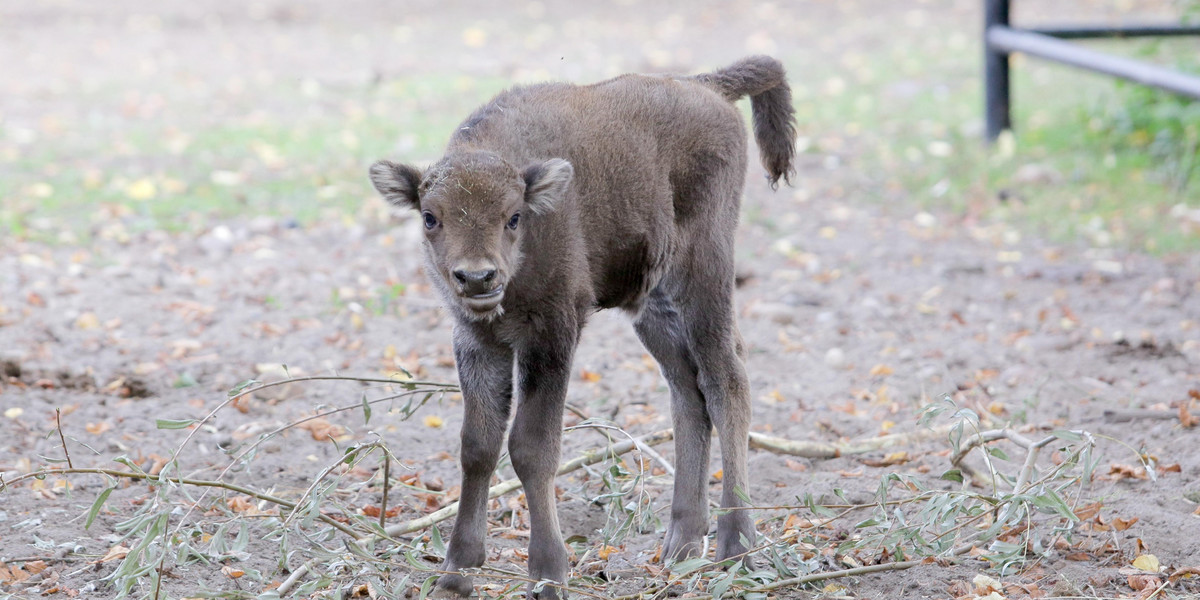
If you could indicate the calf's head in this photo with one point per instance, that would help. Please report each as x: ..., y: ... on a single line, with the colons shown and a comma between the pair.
x: 476, y: 209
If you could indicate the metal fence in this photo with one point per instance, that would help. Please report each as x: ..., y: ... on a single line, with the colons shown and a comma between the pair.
x: 1000, y: 39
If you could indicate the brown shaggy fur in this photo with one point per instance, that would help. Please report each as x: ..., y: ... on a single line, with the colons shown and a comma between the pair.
x: 555, y: 200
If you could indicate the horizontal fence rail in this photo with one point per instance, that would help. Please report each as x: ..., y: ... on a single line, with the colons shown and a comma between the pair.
x: 1124, y: 31
x: 1001, y: 39
x: 1044, y: 46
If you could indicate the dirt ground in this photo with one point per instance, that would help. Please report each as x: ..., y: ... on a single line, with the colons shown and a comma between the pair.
x: 856, y: 313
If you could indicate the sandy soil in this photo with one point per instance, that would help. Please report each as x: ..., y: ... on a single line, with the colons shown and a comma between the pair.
x: 835, y: 289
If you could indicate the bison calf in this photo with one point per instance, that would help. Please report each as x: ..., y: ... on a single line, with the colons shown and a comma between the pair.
x: 553, y: 201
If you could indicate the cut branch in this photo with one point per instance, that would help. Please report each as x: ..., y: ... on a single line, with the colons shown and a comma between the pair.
x: 807, y: 449
x: 1119, y: 415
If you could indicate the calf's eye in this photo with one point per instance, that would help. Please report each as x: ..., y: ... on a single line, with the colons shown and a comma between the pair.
x: 430, y: 220
x: 512, y: 223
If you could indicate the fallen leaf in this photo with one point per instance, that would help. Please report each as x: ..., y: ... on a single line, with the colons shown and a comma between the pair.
x: 894, y: 458
x: 589, y: 376
x: 87, y: 320
x: 1088, y: 511
x: 985, y: 585
x: 1142, y: 582
x: 880, y: 370
x: 1122, y: 524
x: 322, y: 430
x: 474, y: 37
x: 1119, y: 471
x: 14, y: 412
x: 959, y: 588
x: 434, y: 421
x: 241, y: 504
x: 1184, y: 572
x: 1186, y: 418
x: 117, y: 552
x: 11, y: 574
x: 1148, y: 563
x: 142, y: 189
x: 98, y: 428
x: 232, y: 572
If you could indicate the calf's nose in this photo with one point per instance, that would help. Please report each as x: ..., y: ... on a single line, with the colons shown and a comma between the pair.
x: 477, y: 281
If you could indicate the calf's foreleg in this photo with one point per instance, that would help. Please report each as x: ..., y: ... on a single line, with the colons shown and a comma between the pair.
x: 535, y: 444
x: 485, y: 375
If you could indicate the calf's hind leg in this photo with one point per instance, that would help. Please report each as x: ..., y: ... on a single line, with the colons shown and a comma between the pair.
x: 661, y: 331
x: 706, y: 309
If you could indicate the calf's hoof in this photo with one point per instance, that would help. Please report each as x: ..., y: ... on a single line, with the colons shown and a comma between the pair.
x: 735, y: 536
x: 548, y: 592
x: 453, y: 586
x: 681, y: 543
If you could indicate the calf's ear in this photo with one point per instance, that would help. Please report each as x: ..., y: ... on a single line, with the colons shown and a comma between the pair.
x: 396, y: 183
x: 546, y: 184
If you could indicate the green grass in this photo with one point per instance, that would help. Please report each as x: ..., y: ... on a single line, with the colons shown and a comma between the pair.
x: 293, y: 167
x: 1090, y: 160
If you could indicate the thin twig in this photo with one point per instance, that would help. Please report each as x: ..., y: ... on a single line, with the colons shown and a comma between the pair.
x: 270, y: 434
x: 325, y: 472
x: 184, y: 481
x: 58, y: 423
x: 590, y: 457
x: 795, y: 581
x: 643, y: 448
x: 387, y: 468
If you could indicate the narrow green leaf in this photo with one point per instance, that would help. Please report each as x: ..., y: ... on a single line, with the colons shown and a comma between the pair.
x: 185, y: 379
x: 237, y: 389
x: 173, y: 423
x: 366, y: 409
x: 690, y: 565
x: 740, y: 493
x: 95, y: 509
x: 721, y: 585
x: 1069, y: 436
x: 435, y: 541
x: 129, y: 463
x: 953, y: 475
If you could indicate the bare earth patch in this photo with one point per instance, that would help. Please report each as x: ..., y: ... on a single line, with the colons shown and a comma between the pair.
x: 857, y: 315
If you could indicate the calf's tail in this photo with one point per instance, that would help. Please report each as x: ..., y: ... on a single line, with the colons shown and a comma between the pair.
x: 764, y: 80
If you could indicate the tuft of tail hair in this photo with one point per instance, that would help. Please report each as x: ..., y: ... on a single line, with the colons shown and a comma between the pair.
x: 764, y: 80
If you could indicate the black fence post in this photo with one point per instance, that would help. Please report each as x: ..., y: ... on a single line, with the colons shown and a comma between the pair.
x: 996, y: 93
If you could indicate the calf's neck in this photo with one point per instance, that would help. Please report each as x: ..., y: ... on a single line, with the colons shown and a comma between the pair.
x: 553, y: 201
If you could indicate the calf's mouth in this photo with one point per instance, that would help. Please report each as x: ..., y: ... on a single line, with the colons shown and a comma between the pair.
x: 484, y: 301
